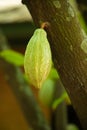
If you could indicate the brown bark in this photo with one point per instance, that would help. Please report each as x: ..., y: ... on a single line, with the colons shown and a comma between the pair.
x: 65, y: 36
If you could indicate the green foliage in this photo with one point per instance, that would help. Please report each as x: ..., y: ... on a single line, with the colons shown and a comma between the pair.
x: 59, y: 100
x: 13, y: 57
x: 46, y: 92
x: 82, y: 22
x: 72, y: 127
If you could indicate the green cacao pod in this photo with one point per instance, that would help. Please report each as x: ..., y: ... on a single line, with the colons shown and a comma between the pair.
x: 37, y: 60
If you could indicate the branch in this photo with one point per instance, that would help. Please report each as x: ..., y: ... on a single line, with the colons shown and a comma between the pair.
x: 65, y: 36
x: 23, y: 93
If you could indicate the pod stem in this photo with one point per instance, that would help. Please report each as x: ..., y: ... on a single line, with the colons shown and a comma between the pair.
x: 45, y: 25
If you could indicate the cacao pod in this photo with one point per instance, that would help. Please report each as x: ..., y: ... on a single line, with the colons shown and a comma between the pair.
x: 38, y: 59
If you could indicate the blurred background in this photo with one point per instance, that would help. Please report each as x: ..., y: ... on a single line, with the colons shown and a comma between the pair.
x: 16, y: 27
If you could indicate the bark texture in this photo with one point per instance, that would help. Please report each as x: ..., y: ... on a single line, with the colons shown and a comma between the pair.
x: 66, y: 37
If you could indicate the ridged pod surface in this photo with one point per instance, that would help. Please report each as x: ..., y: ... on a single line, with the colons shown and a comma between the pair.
x: 38, y: 60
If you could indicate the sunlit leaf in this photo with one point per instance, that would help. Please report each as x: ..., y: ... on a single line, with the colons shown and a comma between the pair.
x: 13, y: 57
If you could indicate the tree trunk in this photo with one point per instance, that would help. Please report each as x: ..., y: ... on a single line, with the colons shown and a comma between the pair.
x: 66, y: 40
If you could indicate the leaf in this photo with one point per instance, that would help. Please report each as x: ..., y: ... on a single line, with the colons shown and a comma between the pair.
x: 72, y: 127
x: 82, y: 21
x: 59, y: 100
x: 13, y: 57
